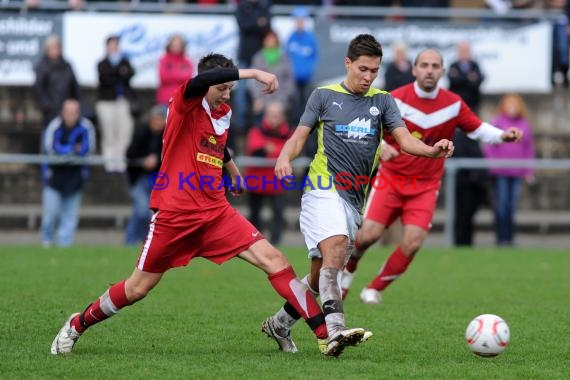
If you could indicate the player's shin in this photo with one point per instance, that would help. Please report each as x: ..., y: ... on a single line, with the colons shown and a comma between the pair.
x: 287, y: 316
x: 393, y: 268
x: 355, y: 257
x: 104, y: 307
x: 348, y: 273
x: 331, y: 299
x: 301, y: 302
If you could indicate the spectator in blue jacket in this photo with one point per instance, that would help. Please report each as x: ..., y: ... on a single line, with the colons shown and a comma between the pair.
x: 71, y: 136
x: 303, y: 52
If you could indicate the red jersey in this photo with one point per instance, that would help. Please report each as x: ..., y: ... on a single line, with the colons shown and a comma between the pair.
x: 429, y: 117
x: 192, y: 155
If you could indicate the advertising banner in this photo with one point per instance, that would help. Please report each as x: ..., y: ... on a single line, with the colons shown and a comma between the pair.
x: 144, y: 36
x: 512, y: 58
x: 21, y: 45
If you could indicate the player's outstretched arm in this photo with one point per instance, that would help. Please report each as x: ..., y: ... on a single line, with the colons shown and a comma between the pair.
x: 291, y: 150
x: 416, y: 147
x: 199, y: 85
x: 201, y: 82
x: 267, y: 79
x: 489, y: 134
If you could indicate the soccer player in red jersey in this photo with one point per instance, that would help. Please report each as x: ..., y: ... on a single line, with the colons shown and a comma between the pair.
x: 410, y: 184
x: 192, y: 217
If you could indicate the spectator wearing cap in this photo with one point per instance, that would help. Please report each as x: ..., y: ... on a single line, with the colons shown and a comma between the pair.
x: 144, y: 160
x: 303, y: 51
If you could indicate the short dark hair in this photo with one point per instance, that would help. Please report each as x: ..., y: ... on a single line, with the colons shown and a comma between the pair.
x: 213, y: 61
x: 112, y: 38
x: 425, y: 50
x: 363, y: 44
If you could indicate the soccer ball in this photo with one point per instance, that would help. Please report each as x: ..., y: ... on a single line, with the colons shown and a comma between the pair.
x: 487, y: 335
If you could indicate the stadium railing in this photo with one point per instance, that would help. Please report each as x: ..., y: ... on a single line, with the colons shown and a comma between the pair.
x: 454, y: 165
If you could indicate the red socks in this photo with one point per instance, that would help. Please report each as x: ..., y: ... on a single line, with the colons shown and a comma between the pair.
x: 298, y: 295
x: 393, y: 268
x: 104, y: 307
x: 284, y: 282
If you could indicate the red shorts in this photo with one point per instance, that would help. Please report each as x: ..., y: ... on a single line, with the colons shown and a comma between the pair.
x: 394, y: 196
x: 175, y: 238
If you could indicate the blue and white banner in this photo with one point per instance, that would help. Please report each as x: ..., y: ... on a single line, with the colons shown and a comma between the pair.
x: 144, y: 37
x: 513, y: 57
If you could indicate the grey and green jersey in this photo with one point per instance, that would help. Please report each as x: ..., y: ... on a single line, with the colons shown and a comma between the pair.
x: 349, y: 130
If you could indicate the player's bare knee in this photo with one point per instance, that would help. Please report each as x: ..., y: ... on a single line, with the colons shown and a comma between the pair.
x: 335, y: 255
x: 274, y: 260
x: 411, y: 245
x: 367, y: 238
x: 280, y: 261
x: 369, y: 234
x: 136, y: 292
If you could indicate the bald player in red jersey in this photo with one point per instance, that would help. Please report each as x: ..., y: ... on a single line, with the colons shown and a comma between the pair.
x: 192, y: 217
x: 407, y: 185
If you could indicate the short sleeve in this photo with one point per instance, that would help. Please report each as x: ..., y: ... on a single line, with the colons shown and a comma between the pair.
x: 182, y: 105
x: 391, y: 117
x: 313, y: 109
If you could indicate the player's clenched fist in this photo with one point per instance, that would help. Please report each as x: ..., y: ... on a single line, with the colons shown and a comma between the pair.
x: 512, y: 134
x: 269, y: 80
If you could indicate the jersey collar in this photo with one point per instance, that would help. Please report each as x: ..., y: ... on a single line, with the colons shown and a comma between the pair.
x: 424, y: 94
x: 220, y: 118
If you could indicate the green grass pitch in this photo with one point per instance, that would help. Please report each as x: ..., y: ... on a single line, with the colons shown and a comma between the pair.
x: 203, y: 321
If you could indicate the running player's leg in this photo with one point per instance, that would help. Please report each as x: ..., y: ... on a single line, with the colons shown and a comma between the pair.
x: 334, y: 251
x: 152, y: 263
x: 382, y: 209
x: 397, y: 263
x: 416, y: 217
x: 116, y: 297
x: 325, y: 218
x: 287, y: 316
x: 370, y: 232
x: 283, y: 279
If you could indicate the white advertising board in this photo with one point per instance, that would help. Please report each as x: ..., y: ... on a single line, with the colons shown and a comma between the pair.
x: 144, y: 36
x: 512, y: 57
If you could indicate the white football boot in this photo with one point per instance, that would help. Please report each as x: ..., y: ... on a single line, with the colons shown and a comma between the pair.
x: 66, y: 338
x: 370, y: 296
x: 342, y: 339
x: 323, y: 343
x: 281, y: 336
